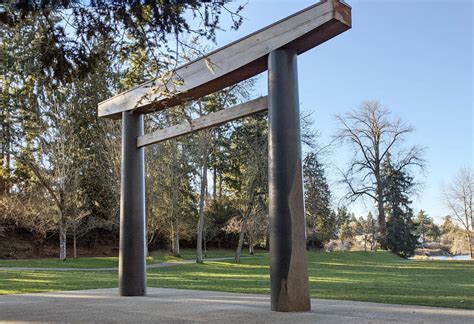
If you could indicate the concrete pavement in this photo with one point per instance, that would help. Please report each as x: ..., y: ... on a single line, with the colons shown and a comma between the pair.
x: 188, y: 306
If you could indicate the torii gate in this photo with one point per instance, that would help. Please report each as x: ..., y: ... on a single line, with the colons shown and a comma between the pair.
x: 275, y: 48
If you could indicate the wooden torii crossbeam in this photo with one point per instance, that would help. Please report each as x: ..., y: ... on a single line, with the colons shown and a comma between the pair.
x: 275, y: 48
x: 236, y: 61
x: 210, y: 120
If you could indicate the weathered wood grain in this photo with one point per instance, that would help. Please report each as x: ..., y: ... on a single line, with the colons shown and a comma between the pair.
x: 212, y: 119
x: 235, y: 62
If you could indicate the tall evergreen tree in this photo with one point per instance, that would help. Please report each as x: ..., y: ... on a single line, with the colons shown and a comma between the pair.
x: 426, y: 228
x: 342, y: 216
x: 401, y: 231
x: 157, y: 27
x: 321, y: 223
x: 423, y: 222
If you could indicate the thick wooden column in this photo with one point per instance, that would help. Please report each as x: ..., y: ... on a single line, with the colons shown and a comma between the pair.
x: 132, y: 262
x: 289, y: 269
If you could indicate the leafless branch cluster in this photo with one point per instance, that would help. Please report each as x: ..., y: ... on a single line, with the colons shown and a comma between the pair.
x: 459, y: 198
x: 374, y: 135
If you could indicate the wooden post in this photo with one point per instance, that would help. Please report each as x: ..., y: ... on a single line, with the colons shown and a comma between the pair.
x: 132, y: 256
x: 288, y: 268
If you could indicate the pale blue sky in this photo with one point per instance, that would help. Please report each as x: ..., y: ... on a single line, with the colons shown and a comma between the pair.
x: 414, y: 56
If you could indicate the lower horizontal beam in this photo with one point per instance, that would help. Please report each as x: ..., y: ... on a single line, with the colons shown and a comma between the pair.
x: 210, y: 120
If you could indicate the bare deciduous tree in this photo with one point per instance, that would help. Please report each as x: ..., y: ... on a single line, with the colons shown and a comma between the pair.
x: 31, y: 212
x: 54, y: 167
x: 202, y: 196
x: 459, y: 197
x: 373, y: 134
x: 245, y: 218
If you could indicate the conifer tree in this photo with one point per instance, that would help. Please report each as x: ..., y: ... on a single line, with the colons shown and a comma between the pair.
x: 426, y: 228
x: 401, y: 231
x: 321, y: 223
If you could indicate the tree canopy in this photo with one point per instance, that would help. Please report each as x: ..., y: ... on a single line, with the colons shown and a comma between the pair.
x: 70, y: 30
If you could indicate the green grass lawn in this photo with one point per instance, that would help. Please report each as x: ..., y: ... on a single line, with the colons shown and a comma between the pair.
x: 108, y: 262
x: 377, y: 277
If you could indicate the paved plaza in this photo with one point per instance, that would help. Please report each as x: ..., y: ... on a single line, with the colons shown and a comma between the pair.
x: 187, y: 306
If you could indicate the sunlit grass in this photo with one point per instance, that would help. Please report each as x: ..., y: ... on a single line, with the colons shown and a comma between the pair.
x: 376, y: 277
x: 101, y: 262
x: 109, y: 262
x: 36, y: 281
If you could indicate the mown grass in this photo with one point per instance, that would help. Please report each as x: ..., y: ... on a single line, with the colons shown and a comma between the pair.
x: 27, y: 281
x: 102, y: 262
x: 108, y: 262
x: 377, y: 277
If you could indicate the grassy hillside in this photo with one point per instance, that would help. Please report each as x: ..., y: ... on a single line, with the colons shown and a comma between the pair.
x: 378, y: 277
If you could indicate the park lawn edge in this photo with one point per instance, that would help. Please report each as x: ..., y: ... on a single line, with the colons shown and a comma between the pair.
x: 340, y: 274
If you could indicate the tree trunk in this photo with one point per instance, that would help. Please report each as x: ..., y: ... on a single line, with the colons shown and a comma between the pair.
x: 171, y: 246
x: 74, y: 241
x: 62, y: 237
x: 5, y: 160
x: 381, y: 213
x: 40, y: 247
x: 214, y: 184
x: 365, y: 243
x: 204, y: 241
x: 250, y: 239
x: 220, y: 185
x: 147, y: 249
x: 199, y: 258
x: 245, y: 219
x: 176, y: 252
x: 174, y: 213
x: 469, y: 244
x: 373, y: 243
x: 243, y: 228
x: 267, y: 241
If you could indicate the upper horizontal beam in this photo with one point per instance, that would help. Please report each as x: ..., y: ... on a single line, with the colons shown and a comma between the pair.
x: 210, y: 120
x: 235, y: 62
